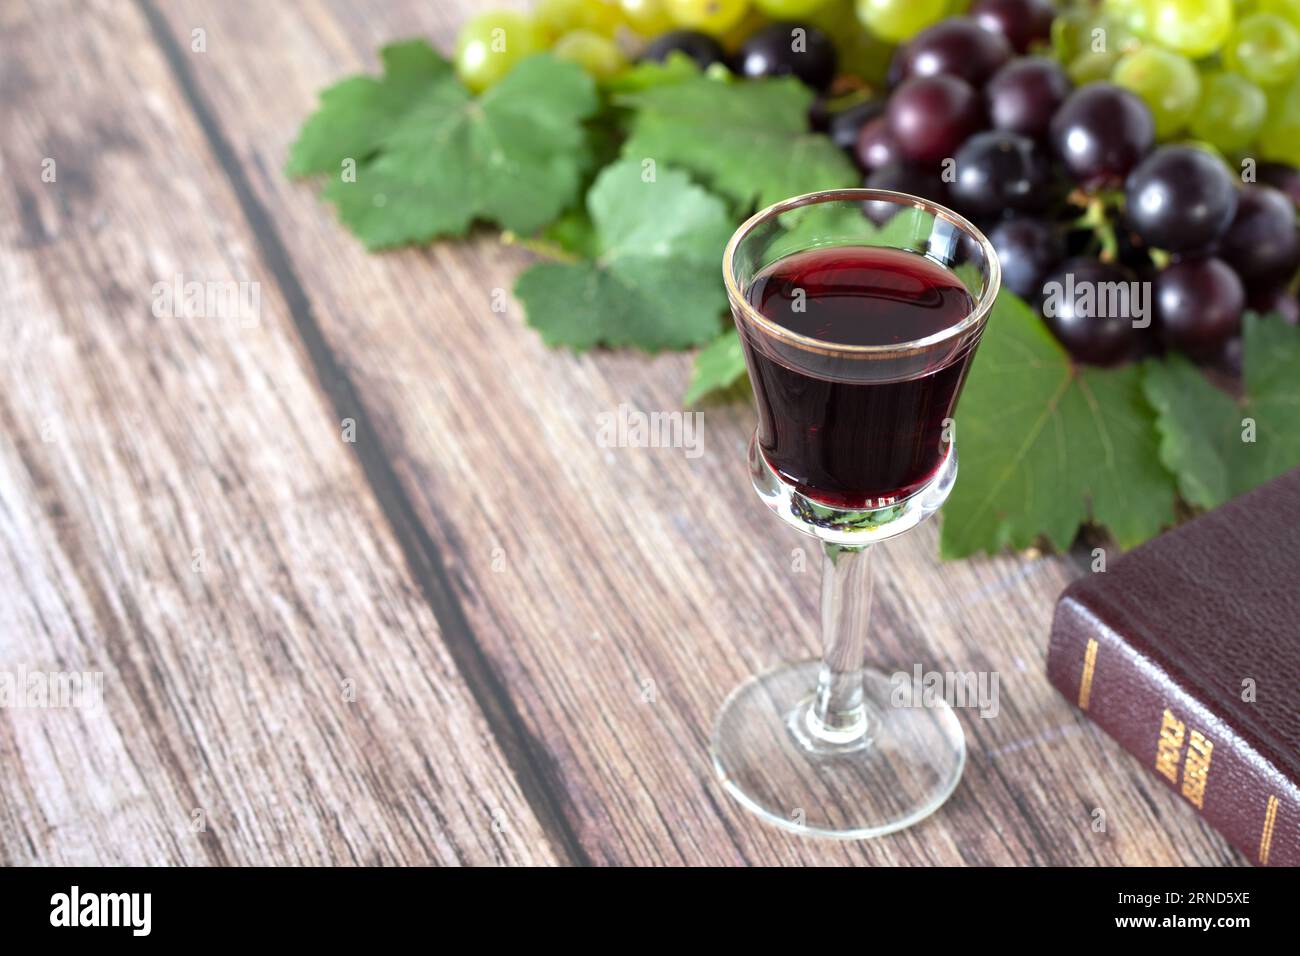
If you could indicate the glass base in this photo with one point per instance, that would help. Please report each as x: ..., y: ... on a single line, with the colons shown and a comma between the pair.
x: 894, y: 769
x: 844, y: 526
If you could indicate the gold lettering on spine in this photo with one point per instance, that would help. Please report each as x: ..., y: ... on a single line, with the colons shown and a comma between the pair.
x: 1266, y: 838
x: 1089, y: 665
x: 1196, y: 768
x: 1169, y: 745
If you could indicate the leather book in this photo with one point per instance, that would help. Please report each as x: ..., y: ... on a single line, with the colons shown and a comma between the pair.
x: 1187, y: 651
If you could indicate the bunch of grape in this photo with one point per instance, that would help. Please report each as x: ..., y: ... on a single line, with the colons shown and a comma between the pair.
x: 1074, y: 174
x: 1096, y: 145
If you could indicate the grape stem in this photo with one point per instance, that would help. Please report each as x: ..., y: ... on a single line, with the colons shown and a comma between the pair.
x: 1096, y: 220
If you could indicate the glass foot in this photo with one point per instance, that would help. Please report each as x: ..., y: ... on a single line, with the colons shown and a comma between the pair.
x: 896, y: 767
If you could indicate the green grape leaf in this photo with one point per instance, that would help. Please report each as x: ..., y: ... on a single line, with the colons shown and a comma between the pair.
x: 655, y: 282
x: 718, y: 366
x: 674, y: 68
x: 1046, y: 445
x: 748, y: 141
x: 1219, y: 447
x: 428, y: 159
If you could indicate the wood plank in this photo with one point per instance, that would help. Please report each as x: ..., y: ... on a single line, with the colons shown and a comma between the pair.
x: 180, y: 512
x: 594, y: 574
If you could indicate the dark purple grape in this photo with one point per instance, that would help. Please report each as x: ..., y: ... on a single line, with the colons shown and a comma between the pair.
x: 1077, y: 308
x: 1025, y: 94
x: 902, y: 178
x: 700, y: 47
x: 1021, y: 22
x: 1261, y: 242
x: 1100, y: 133
x: 1027, y: 249
x: 876, y: 147
x: 931, y: 116
x: 843, y: 126
x: 1282, y: 177
x: 789, y: 49
x: 1279, y: 302
x: 1199, y: 302
x: 1000, y: 172
x: 1180, y: 198
x: 957, y: 47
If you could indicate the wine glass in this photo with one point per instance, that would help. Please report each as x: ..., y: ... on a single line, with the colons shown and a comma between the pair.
x: 857, y: 341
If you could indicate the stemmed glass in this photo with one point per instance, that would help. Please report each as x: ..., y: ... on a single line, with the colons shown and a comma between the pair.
x: 855, y: 444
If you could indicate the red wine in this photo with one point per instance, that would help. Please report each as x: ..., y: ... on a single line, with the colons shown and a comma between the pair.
x: 856, y: 430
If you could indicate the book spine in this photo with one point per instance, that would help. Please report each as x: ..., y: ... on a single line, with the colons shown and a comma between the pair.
x: 1194, y: 750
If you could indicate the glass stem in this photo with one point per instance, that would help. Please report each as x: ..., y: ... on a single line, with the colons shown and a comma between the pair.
x: 838, y: 714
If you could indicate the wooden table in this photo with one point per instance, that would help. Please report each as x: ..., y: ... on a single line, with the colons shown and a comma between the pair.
x: 361, y: 584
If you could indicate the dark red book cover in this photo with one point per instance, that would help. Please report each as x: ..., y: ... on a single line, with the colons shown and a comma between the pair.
x: 1187, y: 651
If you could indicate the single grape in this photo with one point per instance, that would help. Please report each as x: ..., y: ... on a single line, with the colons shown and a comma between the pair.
x: 1092, y: 67
x: 1167, y: 83
x: 787, y: 9
x: 700, y: 47
x: 876, y: 147
x: 931, y: 116
x: 845, y: 126
x: 1100, y: 133
x: 1027, y: 248
x: 600, y: 56
x: 558, y: 17
x: 490, y: 44
x: 1261, y: 243
x: 1022, y: 22
x: 1194, y: 28
x: 957, y: 47
x: 1284, y: 178
x: 1025, y: 94
x: 1230, y: 113
x: 1264, y: 49
x: 1180, y: 198
x: 903, y: 178
x: 1199, y: 302
x: 789, y: 49
x: 1132, y: 14
x: 1076, y: 307
x: 1000, y: 172
x: 1279, y: 140
x: 714, y: 17
x: 898, y: 20
x: 1277, y: 301
x: 647, y: 18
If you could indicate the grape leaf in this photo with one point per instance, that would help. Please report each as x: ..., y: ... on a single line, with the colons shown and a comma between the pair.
x: 718, y: 365
x: 430, y: 159
x: 655, y: 282
x: 748, y: 141
x: 1046, y: 445
x: 1206, y: 435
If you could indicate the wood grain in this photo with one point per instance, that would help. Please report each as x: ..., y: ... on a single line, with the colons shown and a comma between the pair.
x: 595, y: 604
x: 179, y: 512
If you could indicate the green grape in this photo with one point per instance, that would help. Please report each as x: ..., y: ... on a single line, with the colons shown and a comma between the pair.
x: 1230, y: 113
x: 558, y: 17
x: 1194, y: 28
x: 1083, y: 31
x: 1279, y: 140
x: 1090, y: 67
x: 1133, y: 14
x: 649, y: 18
x: 788, y: 9
x: 491, y: 43
x: 1288, y: 10
x: 898, y: 20
x: 860, y: 51
x: 1264, y: 48
x: 714, y: 17
x: 1167, y: 83
x: 598, y: 55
